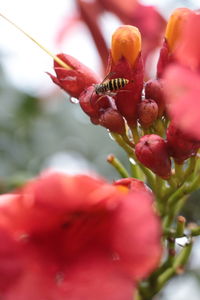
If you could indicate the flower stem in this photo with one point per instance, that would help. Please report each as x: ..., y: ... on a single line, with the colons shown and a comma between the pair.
x: 135, y: 134
x: 57, y: 59
x: 117, y: 165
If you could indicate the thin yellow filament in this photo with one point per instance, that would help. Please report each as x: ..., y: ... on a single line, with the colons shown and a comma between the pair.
x: 57, y: 59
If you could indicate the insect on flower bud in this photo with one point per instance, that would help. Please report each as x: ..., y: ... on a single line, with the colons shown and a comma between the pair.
x: 112, y: 120
x: 151, y: 151
x: 126, y: 42
x: 147, y: 112
x: 126, y: 62
x: 175, y: 26
x: 154, y: 90
x: 180, y: 146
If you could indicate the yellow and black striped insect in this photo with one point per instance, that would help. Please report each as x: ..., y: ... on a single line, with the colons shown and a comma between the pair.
x: 109, y: 86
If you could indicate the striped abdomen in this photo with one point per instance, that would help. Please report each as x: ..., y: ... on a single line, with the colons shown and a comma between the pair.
x: 111, y: 85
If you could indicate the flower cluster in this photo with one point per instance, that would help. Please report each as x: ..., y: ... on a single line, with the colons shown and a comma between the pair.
x: 156, y: 122
x: 149, y: 120
x: 80, y: 237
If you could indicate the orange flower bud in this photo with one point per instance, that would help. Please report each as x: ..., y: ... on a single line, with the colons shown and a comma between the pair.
x: 175, y: 26
x: 126, y: 42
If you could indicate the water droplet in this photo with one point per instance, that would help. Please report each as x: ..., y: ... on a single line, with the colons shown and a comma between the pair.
x: 132, y: 161
x: 110, y: 135
x: 74, y: 100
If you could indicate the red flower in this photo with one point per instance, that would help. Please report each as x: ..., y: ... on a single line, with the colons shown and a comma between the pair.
x: 182, y: 93
x: 68, y: 237
x: 188, y: 51
x: 151, y: 151
x: 75, y: 79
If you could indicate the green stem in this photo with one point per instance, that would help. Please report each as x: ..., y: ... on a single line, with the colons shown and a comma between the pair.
x: 179, y: 262
x: 159, y: 127
x: 178, y: 171
x: 191, y: 167
x: 180, y: 226
x: 195, y: 231
x: 118, y: 138
x: 135, y: 134
x: 118, y: 166
x: 159, y: 186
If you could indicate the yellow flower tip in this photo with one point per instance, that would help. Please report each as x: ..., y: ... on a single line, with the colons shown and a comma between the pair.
x: 126, y: 42
x: 175, y: 26
x: 123, y: 189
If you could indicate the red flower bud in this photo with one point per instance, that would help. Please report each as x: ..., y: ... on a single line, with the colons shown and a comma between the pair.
x: 74, y: 80
x: 126, y: 62
x: 112, y: 120
x: 134, y: 185
x: 151, y: 151
x: 175, y: 27
x: 180, y: 145
x: 174, y: 32
x: 154, y: 90
x: 93, y: 104
x: 148, y: 112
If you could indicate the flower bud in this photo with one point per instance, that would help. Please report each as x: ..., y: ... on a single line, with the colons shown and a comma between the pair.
x: 173, y: 34
x: 147, y: 112
x: 175, y: 26
x: 92, y: 104
x: 126, y: 42
x: 134, y: 185
x: 74, y: 80
x: 154, y: 90
x: 151, y: 151
x: 126, y: 62
x: 180, y: 146
x: 112, y: 120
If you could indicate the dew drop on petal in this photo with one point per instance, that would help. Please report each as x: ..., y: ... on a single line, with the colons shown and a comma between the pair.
x: 110, y: 135
x: 132, y: 161
x: 74, y: 100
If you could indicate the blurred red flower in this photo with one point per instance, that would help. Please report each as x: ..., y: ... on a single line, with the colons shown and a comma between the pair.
x: 76, y: 237
x: 182, y: 80
x: 182, y: 95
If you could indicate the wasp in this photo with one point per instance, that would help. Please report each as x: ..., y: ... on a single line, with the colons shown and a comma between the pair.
x: 109, y: 86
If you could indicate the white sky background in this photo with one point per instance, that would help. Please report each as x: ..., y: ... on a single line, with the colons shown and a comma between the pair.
x: 25, y: 63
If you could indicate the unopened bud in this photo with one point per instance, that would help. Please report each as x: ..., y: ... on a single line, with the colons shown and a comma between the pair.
x: 180, y: 146
x: 147, y: 112
x: 74, y: 80
x: 126, y: 42
x: 112, y: 120
x: 175, y: 26
x: 151, y: 151
x: 134, y: 185
x: 154, y: 90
